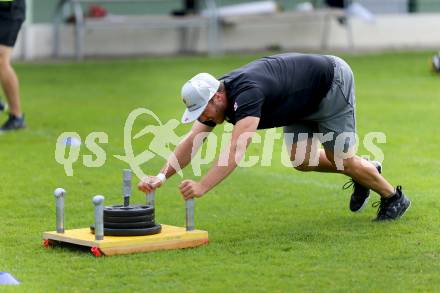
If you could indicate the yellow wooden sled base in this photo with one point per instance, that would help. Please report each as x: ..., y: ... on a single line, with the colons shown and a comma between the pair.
x: 171, y: 237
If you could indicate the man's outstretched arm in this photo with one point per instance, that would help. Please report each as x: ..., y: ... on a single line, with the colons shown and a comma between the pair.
x: 180, y: 156
x: 227, y: 162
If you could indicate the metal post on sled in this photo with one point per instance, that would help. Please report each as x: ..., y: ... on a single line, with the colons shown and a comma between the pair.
x: 189, y: 212
x: 59, y: 194
x: 98, y: 201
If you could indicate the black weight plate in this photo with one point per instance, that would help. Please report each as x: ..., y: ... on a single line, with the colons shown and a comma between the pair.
x: 130, y: 232
x: 128, y: 211
x: 129, y: 225
x: 129, y: 219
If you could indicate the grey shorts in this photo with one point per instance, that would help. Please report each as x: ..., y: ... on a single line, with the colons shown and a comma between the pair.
x: 334, y: 123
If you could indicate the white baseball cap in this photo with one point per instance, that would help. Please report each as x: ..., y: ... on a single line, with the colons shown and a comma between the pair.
x: 196, y: 93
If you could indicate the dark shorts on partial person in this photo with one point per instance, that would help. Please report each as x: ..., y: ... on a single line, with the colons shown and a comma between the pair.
x: 12, y: 15
x: 335, y: 116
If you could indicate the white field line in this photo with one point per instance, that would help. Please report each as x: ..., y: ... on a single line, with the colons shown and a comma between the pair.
x: 291, y: 178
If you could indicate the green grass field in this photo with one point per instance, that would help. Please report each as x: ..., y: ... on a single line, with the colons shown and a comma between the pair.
x: 271, y: 228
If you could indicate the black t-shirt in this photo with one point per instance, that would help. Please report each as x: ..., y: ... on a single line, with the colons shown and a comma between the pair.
x: 279, y: 89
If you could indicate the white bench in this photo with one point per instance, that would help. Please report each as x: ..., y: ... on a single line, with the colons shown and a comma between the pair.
x: 323, y: 15
x: 81, y: 23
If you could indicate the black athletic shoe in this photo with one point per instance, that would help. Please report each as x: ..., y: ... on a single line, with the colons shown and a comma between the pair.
x: 2, y: 106
x: 13, y: 123
x: 392, y: 208
x: 360, y: 195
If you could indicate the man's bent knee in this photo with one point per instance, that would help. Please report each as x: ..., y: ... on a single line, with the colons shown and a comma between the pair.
x: 301, y: 163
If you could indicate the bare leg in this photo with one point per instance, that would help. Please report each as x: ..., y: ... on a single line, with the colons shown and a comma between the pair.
x: 9, y: 81
x: 355, y: 167
x: 365, y: 174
